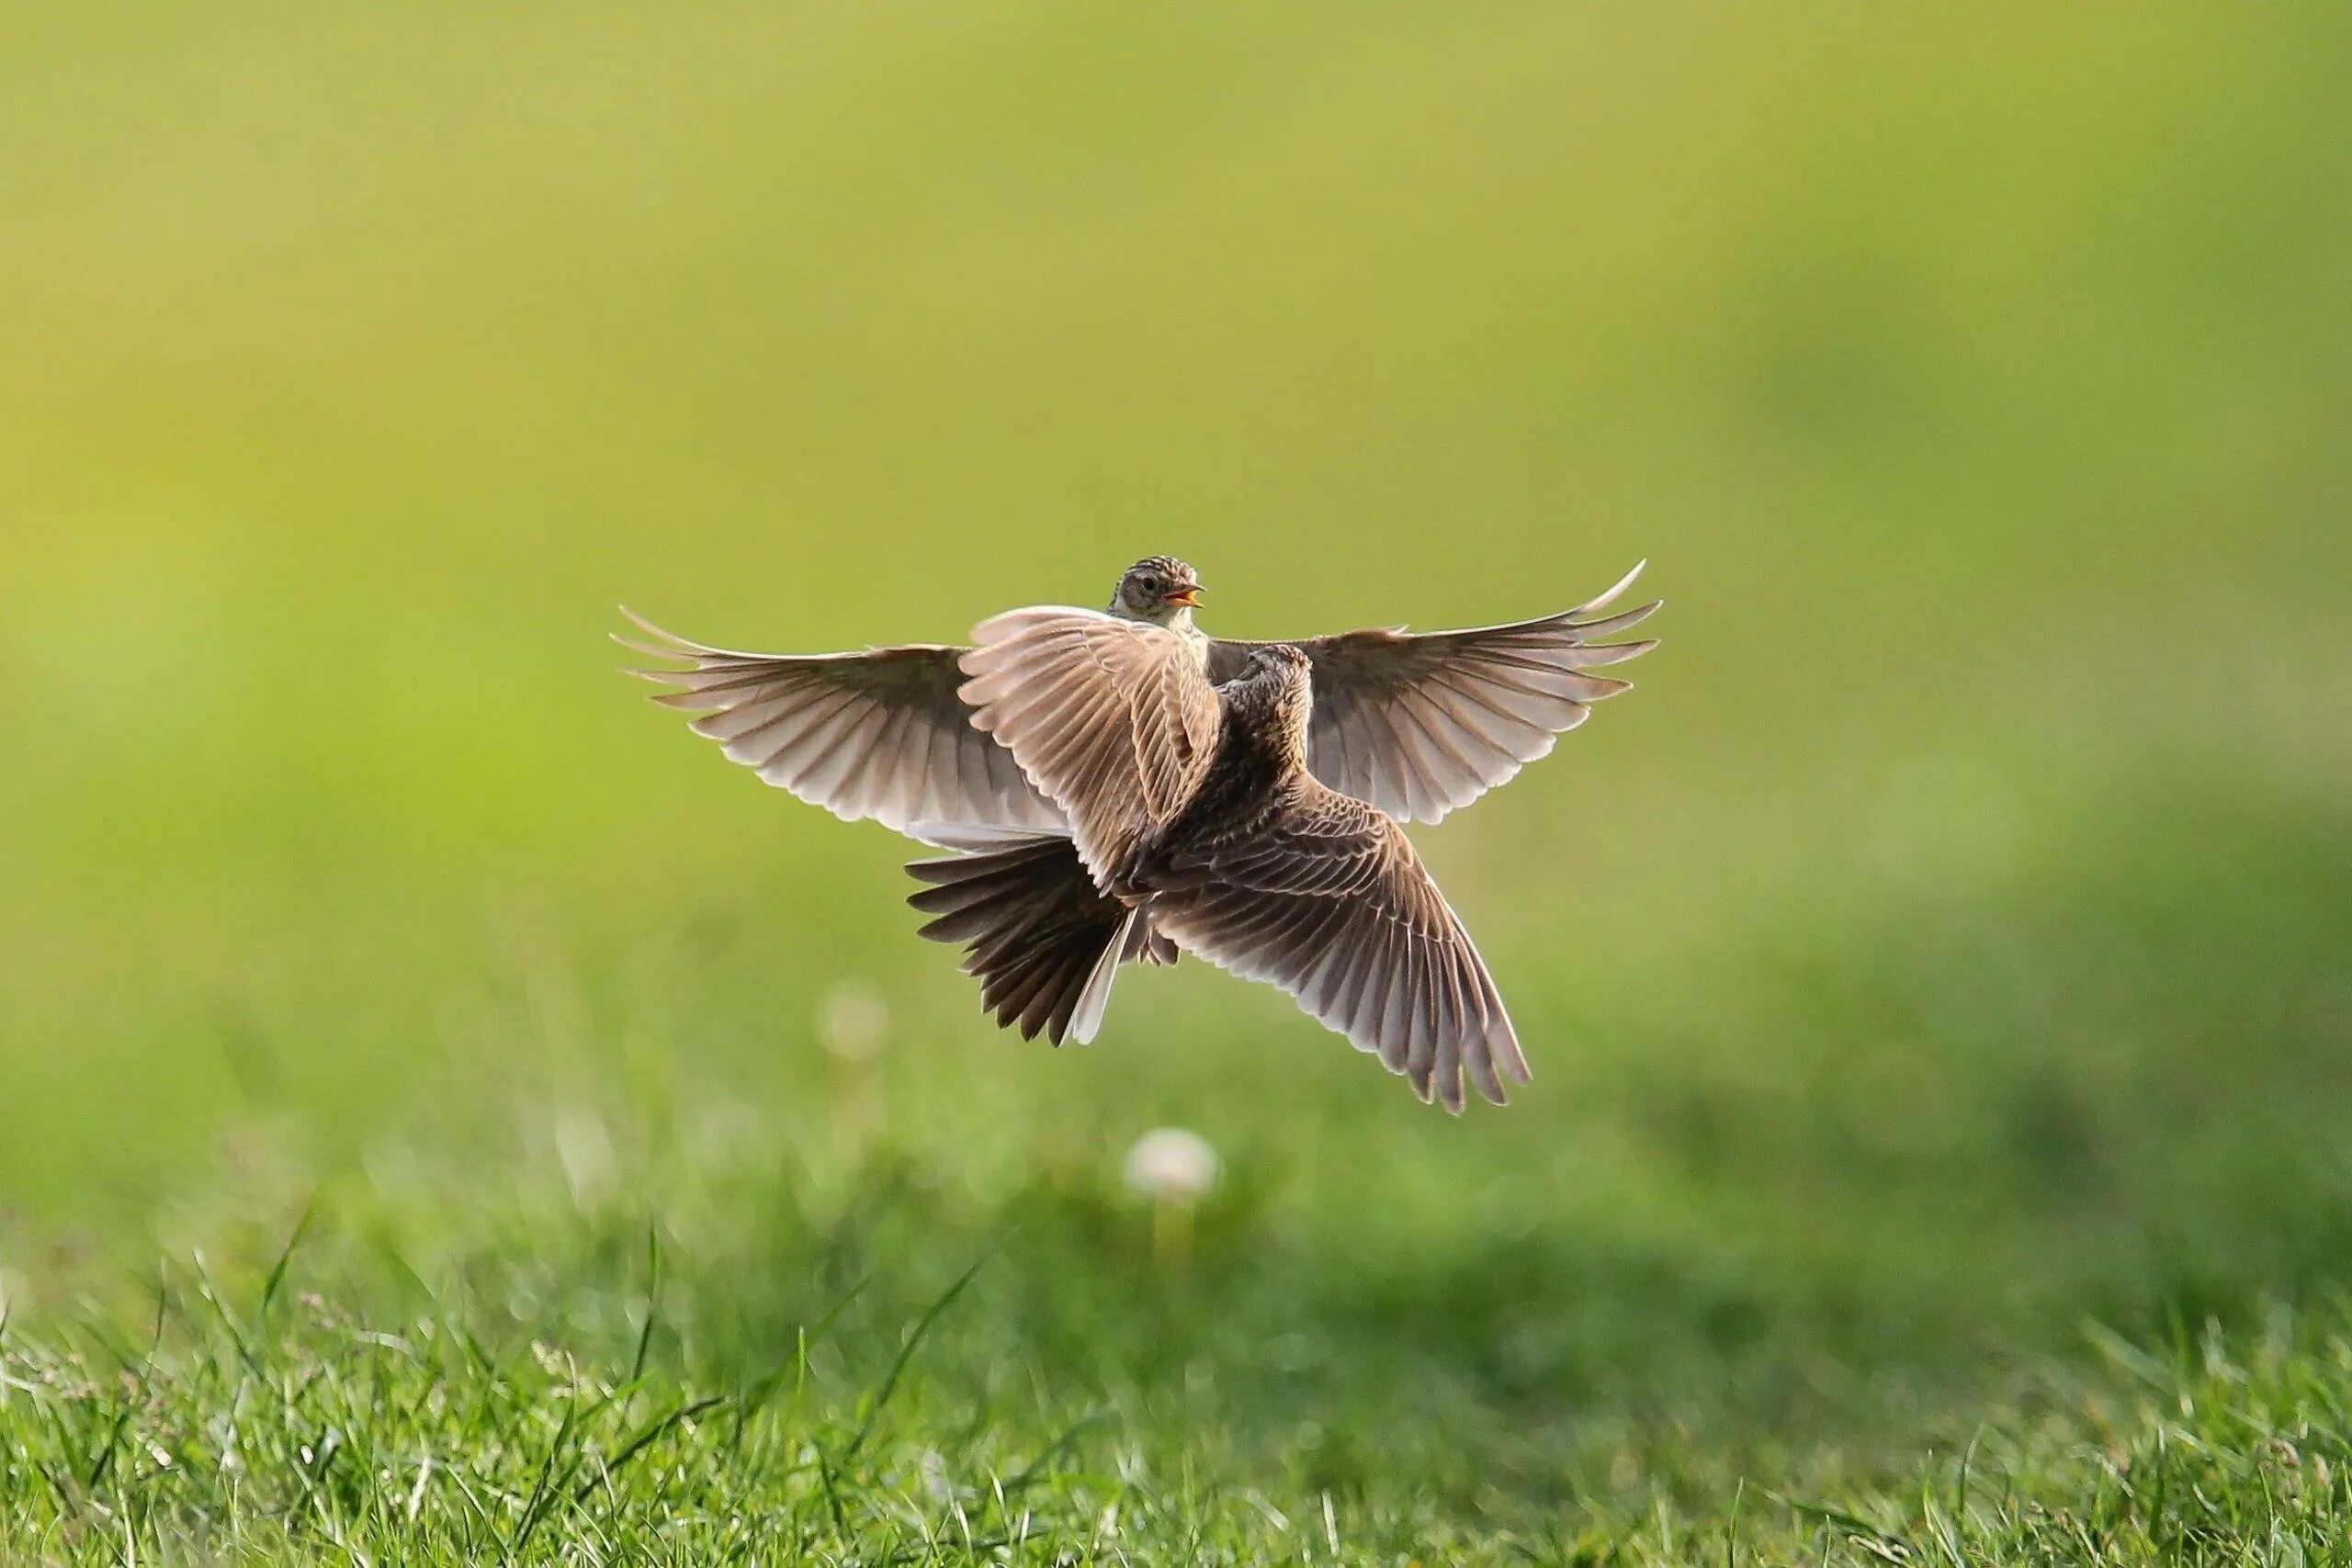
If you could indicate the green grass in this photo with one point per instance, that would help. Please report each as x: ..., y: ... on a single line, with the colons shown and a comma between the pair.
x: 541, y: 1403
x: 1934, y: 974
x: 280, y: 1427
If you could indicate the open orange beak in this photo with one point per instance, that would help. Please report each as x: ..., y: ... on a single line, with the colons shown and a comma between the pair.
x: 1185, y: 596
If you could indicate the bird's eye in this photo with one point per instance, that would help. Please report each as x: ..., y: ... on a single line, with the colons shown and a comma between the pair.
x: 1155, y: 585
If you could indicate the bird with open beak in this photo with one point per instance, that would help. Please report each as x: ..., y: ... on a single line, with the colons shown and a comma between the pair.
x: 1127, y: 786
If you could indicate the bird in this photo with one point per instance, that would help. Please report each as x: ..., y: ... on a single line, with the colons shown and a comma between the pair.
x: 1123, y: 786
x: 1418, y: 725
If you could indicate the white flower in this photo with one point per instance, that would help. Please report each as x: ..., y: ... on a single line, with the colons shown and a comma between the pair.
x: 852, y: 1021
x: 1171, y: 1164
x: 584, y: 1148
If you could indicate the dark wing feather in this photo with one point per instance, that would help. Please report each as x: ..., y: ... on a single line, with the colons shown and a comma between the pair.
x: 1043, y: 940
x: 1113, y: 720
x: 1422, y: 724
x: 1330, y: 902
x: 879, y: 734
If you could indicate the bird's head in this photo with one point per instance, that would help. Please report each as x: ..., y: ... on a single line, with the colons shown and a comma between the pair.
x: 1159, y: 589
x: 1279, y: 684
x: 1280, y: 663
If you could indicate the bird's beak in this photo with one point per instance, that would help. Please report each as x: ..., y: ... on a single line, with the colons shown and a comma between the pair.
x: 1188, y: 597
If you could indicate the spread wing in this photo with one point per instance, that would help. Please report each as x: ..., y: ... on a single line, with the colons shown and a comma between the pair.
x: 878, y: 734
x: 1330, y: 903
x: 1113, y: 720
x: 1419, y: 724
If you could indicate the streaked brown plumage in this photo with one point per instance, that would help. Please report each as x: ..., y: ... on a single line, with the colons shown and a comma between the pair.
x: 1418, y: 724
x: 1128, y: 786
x: 1193, y: 815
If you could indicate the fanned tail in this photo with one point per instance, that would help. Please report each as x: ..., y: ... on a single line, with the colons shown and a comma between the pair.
x: 1044, y: 941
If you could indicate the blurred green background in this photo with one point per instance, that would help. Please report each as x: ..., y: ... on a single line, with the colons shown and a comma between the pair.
x: 1946, y: 941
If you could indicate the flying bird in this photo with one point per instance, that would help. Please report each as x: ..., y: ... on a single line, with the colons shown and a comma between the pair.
x: 1418, y: 724
x: 1127, y: 786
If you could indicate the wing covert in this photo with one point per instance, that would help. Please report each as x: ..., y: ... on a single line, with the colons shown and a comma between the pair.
x: 1113, y: 720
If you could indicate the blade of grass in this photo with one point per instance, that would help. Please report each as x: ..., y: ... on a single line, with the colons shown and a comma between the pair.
x: 652, y: 1302
x: 906, y: 1352
x: 535, y: 1509
x: 285, y: 1254
x: 643, y: 1438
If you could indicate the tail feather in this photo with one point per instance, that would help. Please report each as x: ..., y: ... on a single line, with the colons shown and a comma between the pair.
x: 1044, y: 943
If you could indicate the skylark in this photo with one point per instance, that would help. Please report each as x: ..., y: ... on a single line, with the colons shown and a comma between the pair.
x: 1126, y: 786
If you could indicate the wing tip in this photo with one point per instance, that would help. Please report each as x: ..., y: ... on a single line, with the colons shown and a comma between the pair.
x: 650, y: 651
x: 641, y: 624
x: 1610, y: 595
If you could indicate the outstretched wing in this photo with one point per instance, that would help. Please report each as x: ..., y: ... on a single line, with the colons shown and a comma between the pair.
x: 1331, y: 903
x: 1419, y: 724
x: 1113, y: 720
x: 878, y: 734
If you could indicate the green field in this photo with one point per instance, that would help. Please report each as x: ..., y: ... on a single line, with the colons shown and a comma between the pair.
x: 448, y: 1116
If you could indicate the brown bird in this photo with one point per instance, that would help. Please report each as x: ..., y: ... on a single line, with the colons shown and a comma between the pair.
x: 1417, y: 725
x: 1120, y: 806
x: 1193, y: 818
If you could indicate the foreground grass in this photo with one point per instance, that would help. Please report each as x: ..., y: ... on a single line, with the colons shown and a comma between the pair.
x: 596, y: 1403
